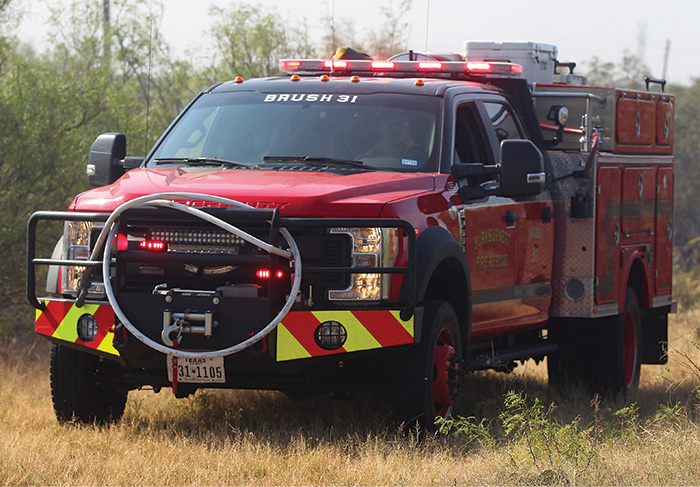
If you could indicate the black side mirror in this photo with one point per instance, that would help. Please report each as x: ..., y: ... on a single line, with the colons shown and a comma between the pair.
x: 522, y: 168
x: 104, y: 162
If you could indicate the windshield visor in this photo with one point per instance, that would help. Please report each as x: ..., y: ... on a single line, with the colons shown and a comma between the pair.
x: 384, y: 131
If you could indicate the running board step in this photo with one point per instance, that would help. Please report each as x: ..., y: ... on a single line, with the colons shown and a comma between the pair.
x: 502, y: 359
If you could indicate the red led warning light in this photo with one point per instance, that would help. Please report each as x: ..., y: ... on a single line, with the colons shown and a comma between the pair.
x: 430, y: 66
x: 483, y: 67
x: 153, y: 245
x: 122, y: 242
x: 516, y: 69
x: 335, y: 63
x: 382, y: 65
x: 267, y: 274
x: 290, y: 65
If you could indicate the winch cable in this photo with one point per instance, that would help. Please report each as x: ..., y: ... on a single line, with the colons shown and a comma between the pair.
x: 109, y: 232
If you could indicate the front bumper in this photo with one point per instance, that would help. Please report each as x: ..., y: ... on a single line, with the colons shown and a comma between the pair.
x: 294, y: 338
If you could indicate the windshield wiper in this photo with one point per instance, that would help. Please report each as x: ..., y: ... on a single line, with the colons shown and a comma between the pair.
x: 199, y: 161
x: 318, y: 161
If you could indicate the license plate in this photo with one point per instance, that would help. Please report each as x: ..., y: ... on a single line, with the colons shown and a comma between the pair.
x: 198, y: 370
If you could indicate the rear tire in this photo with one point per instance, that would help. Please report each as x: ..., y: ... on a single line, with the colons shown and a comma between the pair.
x: 601, y: 354
x: 84, y: 388
x: 622, y: 366
x: 427, y: 380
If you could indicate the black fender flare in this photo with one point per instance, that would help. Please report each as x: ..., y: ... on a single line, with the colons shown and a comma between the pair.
x: 435, y: 245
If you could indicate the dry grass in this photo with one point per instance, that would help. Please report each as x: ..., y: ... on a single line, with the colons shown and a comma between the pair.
x: 260, y: 438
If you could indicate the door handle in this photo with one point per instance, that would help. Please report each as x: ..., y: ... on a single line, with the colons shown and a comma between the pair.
x: 511, y: 218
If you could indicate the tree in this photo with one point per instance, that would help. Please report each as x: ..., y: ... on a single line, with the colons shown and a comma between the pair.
x: 392, y: 35
x: 628, y: 73
x: 687, y: 173
x: 340, y: 33
x: 250, y: 40
x: 8, y: 18
x: 53, y: 107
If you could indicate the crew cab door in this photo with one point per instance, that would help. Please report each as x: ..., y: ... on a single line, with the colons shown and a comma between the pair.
x: 507, y: 241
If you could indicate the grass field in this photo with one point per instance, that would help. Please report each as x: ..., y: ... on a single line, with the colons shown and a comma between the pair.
x: 262, y: 438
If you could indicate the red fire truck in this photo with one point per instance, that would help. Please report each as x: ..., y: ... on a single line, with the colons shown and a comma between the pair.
x: 370, y: 225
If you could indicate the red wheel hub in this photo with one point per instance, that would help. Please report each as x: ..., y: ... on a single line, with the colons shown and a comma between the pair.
x: 445, y: 378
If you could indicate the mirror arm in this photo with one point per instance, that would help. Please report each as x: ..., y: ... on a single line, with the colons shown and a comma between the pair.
x: 132, y: 162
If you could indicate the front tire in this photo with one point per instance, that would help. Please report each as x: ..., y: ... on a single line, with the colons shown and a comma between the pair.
x: 84, y: 388
x: 427, y: 381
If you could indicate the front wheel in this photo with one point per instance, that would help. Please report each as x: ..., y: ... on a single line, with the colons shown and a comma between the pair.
x: 428, y: 379
x: 84, y: 388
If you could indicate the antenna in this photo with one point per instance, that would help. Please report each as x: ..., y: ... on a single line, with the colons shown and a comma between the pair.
x: 427, y: 26
x: 107, y: 34
x: 333, y: 40
x: 148, y: 87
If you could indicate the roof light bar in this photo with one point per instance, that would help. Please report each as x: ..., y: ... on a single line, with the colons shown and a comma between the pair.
x: 419, y: 68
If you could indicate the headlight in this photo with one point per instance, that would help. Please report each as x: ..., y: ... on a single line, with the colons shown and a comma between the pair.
x: 78, y: 239
x: 371, y: 247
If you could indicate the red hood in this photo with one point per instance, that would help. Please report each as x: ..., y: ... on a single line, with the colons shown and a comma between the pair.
x: 316, y: 194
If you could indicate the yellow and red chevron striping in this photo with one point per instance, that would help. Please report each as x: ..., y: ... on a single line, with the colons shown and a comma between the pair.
x: 60, y: 320
x: 366, y: 330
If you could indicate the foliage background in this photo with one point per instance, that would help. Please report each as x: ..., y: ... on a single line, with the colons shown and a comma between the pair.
x: 98, y: 76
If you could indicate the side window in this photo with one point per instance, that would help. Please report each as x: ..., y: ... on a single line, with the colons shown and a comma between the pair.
x: 503, y: 121
x: 471, y: 143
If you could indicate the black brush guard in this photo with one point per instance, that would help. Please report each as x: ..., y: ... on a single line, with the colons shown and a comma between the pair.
x: 148, y: 308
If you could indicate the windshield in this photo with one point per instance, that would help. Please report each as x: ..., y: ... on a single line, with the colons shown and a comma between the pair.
x: 382, y: 131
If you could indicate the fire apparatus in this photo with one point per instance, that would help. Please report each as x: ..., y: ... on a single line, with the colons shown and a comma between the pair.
x: 369, y: 225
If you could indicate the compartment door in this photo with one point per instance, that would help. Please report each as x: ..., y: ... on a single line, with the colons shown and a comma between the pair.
x: 608, y: 233
x: 663, y: 248
x: 636, y: 122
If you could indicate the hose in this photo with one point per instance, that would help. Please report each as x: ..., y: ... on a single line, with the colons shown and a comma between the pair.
x: 109, y: 231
